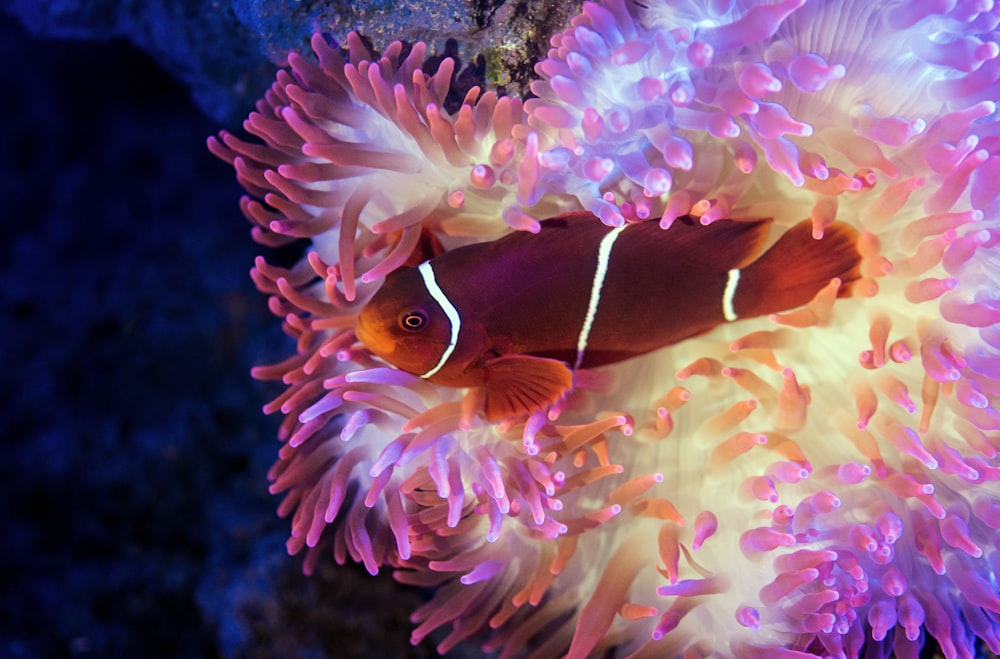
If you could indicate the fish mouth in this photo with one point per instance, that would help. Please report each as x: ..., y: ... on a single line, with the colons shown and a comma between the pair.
x: 376, y: 343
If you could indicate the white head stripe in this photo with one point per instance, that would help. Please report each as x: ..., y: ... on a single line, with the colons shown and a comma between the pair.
x: 729, y: 294
x: 427, y: 272
x: 603, y: 256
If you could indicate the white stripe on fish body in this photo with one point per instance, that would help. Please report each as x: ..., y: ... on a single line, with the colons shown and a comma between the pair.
x: 427, y: 272
x: 600, y: 274
x: 603, y: 257
x: 729, y: 294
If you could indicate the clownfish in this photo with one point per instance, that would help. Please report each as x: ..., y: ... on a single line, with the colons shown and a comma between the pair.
x: 517, y: 315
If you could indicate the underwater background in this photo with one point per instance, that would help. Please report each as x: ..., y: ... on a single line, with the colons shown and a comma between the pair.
x: 135, y: 518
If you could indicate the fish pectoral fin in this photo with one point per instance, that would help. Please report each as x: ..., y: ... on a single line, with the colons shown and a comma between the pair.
x: 522, y: 384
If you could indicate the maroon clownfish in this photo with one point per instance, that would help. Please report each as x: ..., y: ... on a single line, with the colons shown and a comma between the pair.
x: 516, y: 315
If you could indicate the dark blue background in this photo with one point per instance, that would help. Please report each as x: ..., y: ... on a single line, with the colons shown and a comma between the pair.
x: 135, y: 519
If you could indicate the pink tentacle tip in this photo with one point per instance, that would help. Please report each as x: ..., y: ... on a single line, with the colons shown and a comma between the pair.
x: 852, y: 473
x: 757, y: 81
x: 811, y: 73
x: 749, y: 617
x: 705, y: 526
x: 956, y: 533
x: 764, y: 539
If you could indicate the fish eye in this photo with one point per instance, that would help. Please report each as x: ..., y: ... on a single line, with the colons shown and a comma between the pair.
x: 413, y: 320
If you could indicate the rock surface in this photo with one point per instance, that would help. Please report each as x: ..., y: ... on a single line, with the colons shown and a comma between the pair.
x: 225, y: 52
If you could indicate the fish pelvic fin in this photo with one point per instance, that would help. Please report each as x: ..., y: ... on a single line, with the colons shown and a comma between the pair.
x: 797, y: 267
x: 522, y: 384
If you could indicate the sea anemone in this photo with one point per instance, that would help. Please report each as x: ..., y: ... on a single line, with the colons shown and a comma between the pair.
x: 818, y: 482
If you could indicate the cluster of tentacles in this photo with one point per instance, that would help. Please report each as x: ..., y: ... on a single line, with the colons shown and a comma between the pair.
x: 823, y: 481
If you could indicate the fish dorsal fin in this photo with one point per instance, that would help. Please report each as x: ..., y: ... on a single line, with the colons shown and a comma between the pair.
x: 737, y: 242
x: 522, y: 384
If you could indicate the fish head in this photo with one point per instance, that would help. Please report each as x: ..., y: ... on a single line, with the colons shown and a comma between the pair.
x: 403, y: 324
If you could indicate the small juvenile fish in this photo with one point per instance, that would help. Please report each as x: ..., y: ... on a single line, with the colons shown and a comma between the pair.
x: 516, y: 315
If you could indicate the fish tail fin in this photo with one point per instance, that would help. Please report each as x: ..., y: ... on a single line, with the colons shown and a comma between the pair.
x: 797, y: 267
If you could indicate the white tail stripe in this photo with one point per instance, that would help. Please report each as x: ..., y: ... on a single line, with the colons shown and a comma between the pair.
x: 729, y: 294
x: 603, y: 256
x: 427, y: 272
